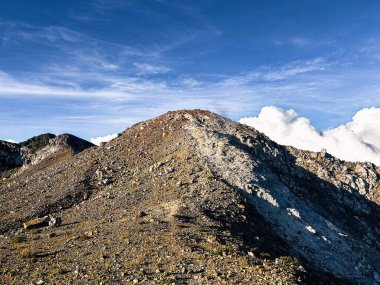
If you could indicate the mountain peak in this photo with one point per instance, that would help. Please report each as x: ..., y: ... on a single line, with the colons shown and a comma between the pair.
x: 197, y: 195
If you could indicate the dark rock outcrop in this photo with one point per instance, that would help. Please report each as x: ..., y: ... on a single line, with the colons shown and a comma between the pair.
x: 10, y: 156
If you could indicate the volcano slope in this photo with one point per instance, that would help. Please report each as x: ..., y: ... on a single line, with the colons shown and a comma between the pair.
x: 192, y: 198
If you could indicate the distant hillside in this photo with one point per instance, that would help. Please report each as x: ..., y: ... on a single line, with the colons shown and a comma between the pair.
x: 37, y: 142
x: 19, y: 157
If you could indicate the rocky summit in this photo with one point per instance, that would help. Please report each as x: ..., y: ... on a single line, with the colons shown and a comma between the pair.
x: 189, y: 197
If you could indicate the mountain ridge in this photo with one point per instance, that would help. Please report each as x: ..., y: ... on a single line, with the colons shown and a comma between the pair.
x: 194, y: 184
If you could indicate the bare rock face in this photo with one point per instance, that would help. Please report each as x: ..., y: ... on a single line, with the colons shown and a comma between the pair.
x: 189, y: 197
x: 356, y: 178
x: 324, y: 208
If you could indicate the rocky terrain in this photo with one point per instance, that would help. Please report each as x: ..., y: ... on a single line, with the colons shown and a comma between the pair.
x: 189, y: 197
x: 19, y: 157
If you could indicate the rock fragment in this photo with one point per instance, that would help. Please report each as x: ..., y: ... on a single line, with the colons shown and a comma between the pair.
x: 37, y: 223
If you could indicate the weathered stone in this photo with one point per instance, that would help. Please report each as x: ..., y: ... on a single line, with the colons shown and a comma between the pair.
x: 37, y: 223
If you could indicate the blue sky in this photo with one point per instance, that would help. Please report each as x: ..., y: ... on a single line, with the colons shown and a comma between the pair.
x: 94, y: 67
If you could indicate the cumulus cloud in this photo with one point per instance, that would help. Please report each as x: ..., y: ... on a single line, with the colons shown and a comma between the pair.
x: 357, y: 140
x: 99, y: 140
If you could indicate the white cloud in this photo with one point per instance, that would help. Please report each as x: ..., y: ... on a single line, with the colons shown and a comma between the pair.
x: 371, y: 49
x: 190, y: 82
x: 19, y: 31
x: 358, y: 140
x: 300, y: 41
x: 99, y: 140
x: 294, y: 69
x: 146, y: 68
x: 11, y: 141
x: 110, y: 66
x: 366, y: 123
x: 271, y: 74
x: 69, y: 85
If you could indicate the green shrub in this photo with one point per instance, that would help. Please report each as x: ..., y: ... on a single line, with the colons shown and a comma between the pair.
x: 264, y: 254
x: 58, y: 271
x: 288, y: 260
x: 223, y: 250
x: 17, y: 239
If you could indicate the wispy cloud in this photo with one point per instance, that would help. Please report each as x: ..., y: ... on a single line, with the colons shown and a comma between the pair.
x: 302, y: 42
x: 18, y: 31
x: 292, y: 84
x: 294, y: 69
x: 93, y: 60
x: 73, y: 45
x: 190, y: 82
x: 103, y: 5
x: 109, y: 86
x: 112, y: 92
x: 276, y: 73
x: 296, y: 41
x: 146, y: 68
x: 371, y: 48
